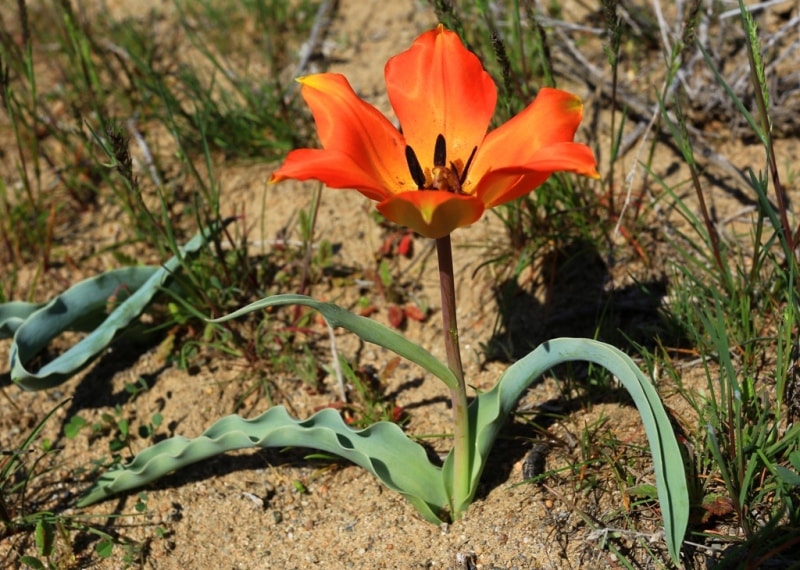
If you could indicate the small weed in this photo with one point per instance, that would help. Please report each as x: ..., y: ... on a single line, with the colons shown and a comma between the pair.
x: 84, y: 108
x: 736, y: 298
x: 41, y: 533
x: 367, y: 403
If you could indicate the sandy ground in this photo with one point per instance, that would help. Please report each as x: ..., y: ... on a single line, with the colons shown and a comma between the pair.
x: 244, y: 510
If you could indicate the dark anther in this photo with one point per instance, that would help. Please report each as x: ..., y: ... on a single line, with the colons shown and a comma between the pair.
x: 414, y: 167
x: 440, y: 152
x: 463, y: 177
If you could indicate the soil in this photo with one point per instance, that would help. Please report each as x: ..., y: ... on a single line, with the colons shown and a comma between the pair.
x: 277, y: 509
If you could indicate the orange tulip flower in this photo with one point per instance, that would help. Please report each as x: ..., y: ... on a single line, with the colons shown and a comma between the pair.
x: 443, y: 170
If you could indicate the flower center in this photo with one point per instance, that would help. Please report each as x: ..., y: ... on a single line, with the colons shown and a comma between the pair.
x: 442, y: 176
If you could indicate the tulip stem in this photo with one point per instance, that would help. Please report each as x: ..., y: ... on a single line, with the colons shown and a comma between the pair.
x: 458, y: 395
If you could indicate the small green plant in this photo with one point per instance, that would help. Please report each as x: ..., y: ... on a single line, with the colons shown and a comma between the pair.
x: 85, y: 92
x: 367, y: 404
x: 117, y: 428
x: 735, y: 299
x: 28, y: 514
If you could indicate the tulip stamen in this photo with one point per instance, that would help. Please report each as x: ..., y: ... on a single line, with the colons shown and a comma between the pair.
x: 463, y: 177
x: 444, y: 177
x: 414, y: 167
x: 440, y: 152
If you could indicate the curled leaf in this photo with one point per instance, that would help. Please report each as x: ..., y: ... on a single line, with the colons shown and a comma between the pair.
x: 490, y: 410
x: 13, y: 314
x: 83, y: 307
x: 382, y: 449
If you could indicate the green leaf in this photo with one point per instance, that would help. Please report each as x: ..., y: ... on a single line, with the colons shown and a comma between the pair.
x: 743, y: 111
x: 489, y: 412
x: 123, y: 427
x: 13, y: 314
x: 794, y: 459
x: 104, y: 548
x: 32, y: 562
x: 788, y: 476
x: 366, y: 329
x: 75, y: 424
x: 382, y: 449
x: 643, y: 491
x: 44, y: 535
x: 82, y: 307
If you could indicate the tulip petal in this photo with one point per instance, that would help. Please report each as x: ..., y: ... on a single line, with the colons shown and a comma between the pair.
x: 433, y: 214
x: 506, y: 184
x: 552, y: 117
x: 350, y: 127
x: 332, y: 168
x: 566, y: 157
x: 439, y: 87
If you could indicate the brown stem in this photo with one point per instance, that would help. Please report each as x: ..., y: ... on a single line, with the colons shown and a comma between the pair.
x: 458, y: 395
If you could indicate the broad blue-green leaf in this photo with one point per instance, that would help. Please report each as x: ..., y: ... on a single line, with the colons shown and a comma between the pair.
x: 82, y: 307
x: 366, y: 329
x: 382, y: 449
x: 489, y: 412
x: 13, y: 314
